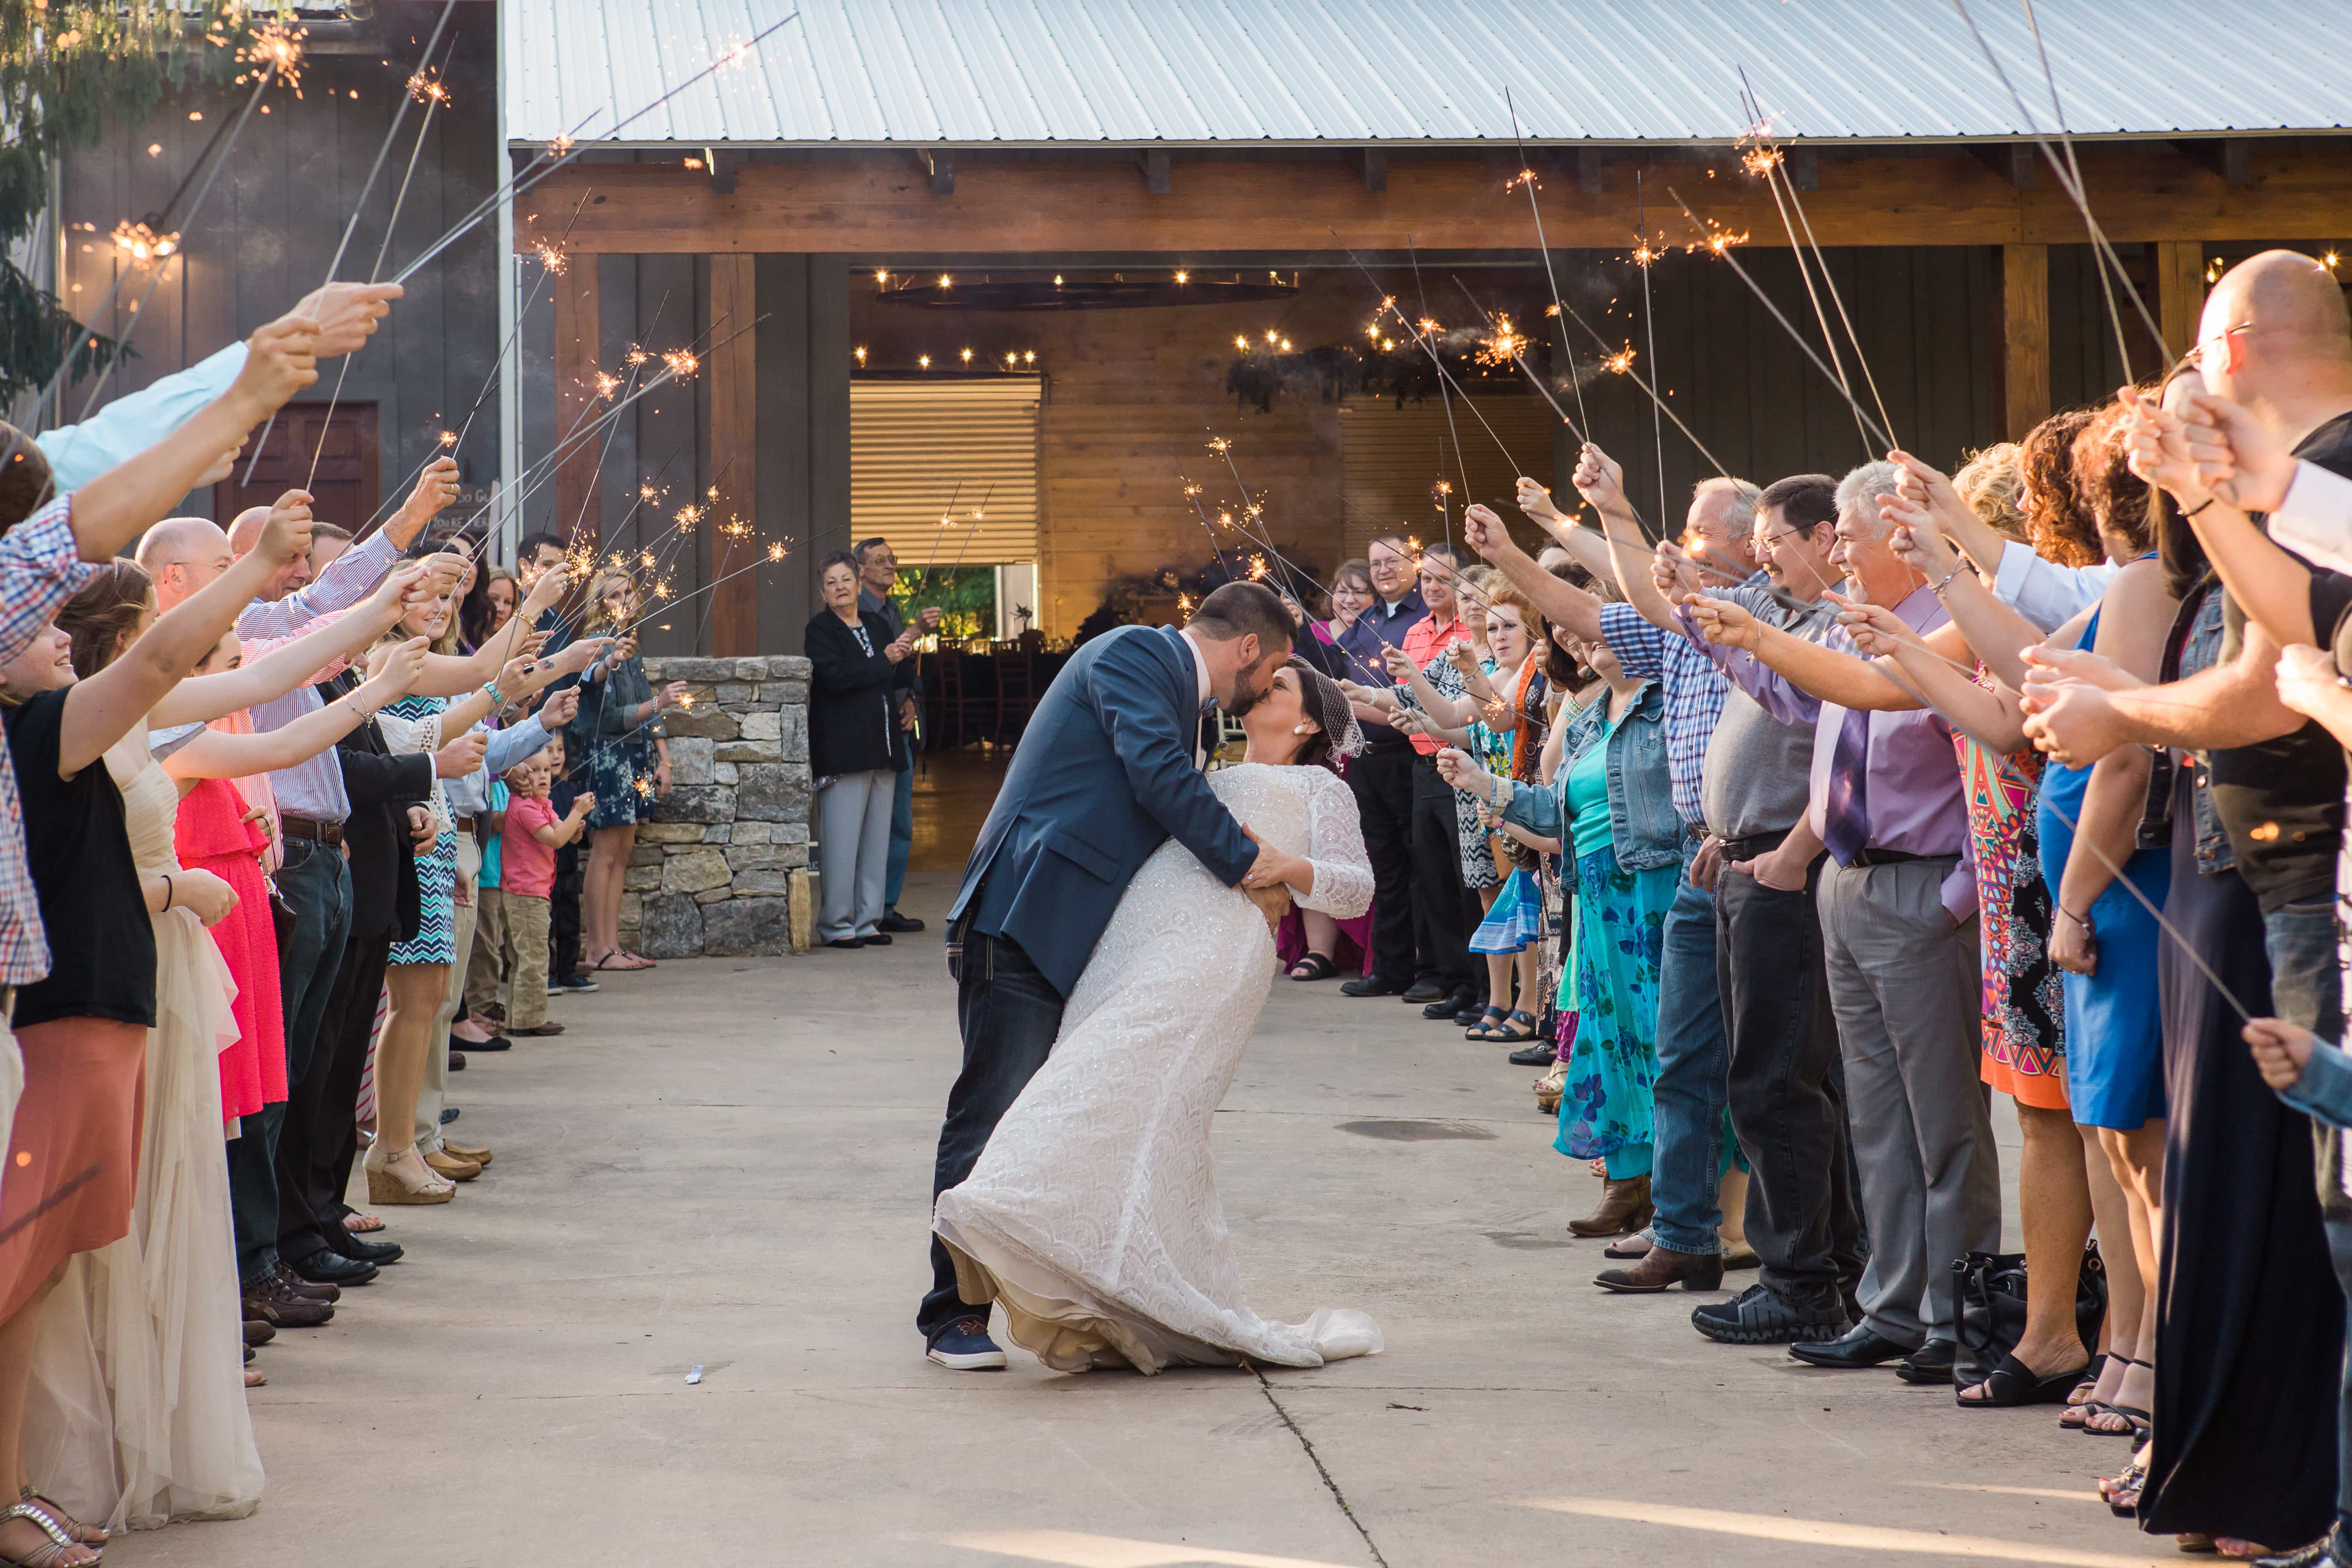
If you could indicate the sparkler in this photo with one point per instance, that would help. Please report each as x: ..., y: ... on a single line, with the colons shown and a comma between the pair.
x: 1526, y: 176
x: 447, y: 9
x: 1660, y: 403
x: 1521, y: 360
x: 1388, y: 304
x: 1870, y: 428
x: 274, y: 48
x: 1643, y: 257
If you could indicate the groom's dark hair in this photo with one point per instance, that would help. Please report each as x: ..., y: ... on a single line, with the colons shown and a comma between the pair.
x: 1239, y: 608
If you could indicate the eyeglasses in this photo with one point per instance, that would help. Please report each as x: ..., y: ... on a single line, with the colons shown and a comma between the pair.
x: 2197, y: 349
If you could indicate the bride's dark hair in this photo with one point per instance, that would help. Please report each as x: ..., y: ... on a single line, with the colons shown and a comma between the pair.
x: 1337, y: 734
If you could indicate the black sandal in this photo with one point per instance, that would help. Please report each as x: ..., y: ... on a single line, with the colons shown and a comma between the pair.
x: 2139, y: 1419
x: 1314, y: 966
x: 2011, y: 1382
x: 1484, y: 1029
x: 1516, y: 1029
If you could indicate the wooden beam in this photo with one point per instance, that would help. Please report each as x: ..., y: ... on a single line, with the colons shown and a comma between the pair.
x: 576, y: 347
x: 868, y: 206
x: 1376, y: 169
x: 1159, y: 178
x: 939, y: 162
x: 2025, y: 337
x: 1804, y: 167
x: 2179, y: 291
x: 2011, y: 163
x: 732, y: 372
x: 2226, y: 158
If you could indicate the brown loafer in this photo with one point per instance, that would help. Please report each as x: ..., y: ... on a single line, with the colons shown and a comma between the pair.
x: 1661, y: 1267
x: 457, y: 1151
x: 541, y: 1029
x: 444, y: 1163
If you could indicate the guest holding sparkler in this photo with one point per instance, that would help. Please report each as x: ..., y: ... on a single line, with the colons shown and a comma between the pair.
x: 855, y: 745
x: 1382, y: 778
x: 622, y: 756
x: 878, y: 577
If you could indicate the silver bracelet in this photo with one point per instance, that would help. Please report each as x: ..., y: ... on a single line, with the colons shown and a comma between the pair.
x: 1938, y: 589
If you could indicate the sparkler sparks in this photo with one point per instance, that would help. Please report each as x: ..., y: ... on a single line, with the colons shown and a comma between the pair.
x: 1718, y: 241
x: 736, y: 528
x: 560, y: 145
x: 1427, y: 328
x: 1524, y: 177
x: 449, y: 438
x: 274, y: 47
x: 775, y: 551
x: 143, y: 243
x: 681, y: 362
x: 427, y: 90
x: 1761, y: 161
x: 1620, y: 361
x: 608, y: 384
x: 1191, y: 490
x: 1505, y: 345
x: 636, y: 356
x: 1220, y: 446
x: 687, y: 516
x: 1644, y: 254
x: 647, y: 492
x: 551, y: 256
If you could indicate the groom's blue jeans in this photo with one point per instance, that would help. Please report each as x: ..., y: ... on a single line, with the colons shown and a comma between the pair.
x: 1009, y: 1013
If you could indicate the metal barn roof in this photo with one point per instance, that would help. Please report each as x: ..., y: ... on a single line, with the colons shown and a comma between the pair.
x: 1433, y: 72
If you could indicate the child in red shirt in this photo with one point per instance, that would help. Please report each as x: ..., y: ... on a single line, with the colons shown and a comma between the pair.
x: 525, y: 877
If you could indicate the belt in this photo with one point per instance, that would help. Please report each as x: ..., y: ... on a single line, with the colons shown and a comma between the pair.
x: 1868, y: 857
x: 467, y: 822
x: 1750, y: 846
x: 327, y: 833
x: 1694, y: 830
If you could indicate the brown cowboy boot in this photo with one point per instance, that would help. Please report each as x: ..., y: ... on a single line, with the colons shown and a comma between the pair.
x: 1661, y: 1267
x: 1624, y: 1206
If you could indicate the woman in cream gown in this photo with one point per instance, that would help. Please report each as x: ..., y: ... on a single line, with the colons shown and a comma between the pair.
x: 1093, y: 1214
x: 138, y: 1415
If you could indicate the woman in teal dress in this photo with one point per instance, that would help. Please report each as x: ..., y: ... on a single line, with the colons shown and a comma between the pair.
x: 1613, y: 804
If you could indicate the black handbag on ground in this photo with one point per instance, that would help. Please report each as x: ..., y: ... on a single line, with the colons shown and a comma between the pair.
x: 1993, y: 1307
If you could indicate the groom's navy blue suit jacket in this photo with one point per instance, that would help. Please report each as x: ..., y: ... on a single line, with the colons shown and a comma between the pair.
x: 1103, y: 777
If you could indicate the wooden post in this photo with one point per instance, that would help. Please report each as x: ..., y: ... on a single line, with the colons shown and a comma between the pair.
x: 2025, y: 337
x: 2179, y: 292
x: 576, y: 347
x: 734, y: 450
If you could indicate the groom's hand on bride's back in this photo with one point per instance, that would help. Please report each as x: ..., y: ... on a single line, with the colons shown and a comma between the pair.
x: 1264, y: 872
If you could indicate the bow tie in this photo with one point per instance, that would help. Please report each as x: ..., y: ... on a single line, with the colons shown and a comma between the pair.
x: 1208, y: 708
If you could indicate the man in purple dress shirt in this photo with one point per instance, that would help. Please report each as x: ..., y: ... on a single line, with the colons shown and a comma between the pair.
x: 1898, y: 906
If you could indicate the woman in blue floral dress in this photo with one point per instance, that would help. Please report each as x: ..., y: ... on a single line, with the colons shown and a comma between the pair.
x: 1610, y: 800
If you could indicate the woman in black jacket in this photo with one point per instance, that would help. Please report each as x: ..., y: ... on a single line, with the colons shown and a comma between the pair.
x: 855, y: 750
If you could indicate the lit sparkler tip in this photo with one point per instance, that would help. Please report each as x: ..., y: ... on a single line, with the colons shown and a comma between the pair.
x: 608, y: 384
x: 551, y: 257
x: 558, y: 145
x: 687, y: 516
x: 1429, y: 328
x: 1191, y: 490
x: 1441, y: 488
x: 775, y: 551
x: 1620, y: 361
x: 644, y: 558
x: 1219, y: 445
x: 1257, y: 568
x: 636, y: 356
x: 1761, y: 161
x: 427, y: 89
x: 681, y: 362
x: 449, y: 438
x: 647, y: 492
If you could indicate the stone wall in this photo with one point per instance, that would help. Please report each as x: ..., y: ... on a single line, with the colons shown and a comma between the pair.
x: 723, y: 863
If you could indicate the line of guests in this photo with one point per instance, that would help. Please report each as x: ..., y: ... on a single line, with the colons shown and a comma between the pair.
x: 244, y: 810
x: 1870, y: 795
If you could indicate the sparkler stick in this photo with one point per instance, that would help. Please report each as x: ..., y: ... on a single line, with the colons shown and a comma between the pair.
x: 196, y: 207
x: 931, y: 566
x: 1871, y: 429
x: 1192, y: 494
x: 1644, y: 257
x: 2070, y: 181
x: 1445, y: 512
x: 1255, y: 511
x: 435, y: 96
x: 978, y: 513
x: 1526, y: 177
x: 1627, y: 368
x: 1768, y: 157
x: 533, y: 172
x: 398, y: 115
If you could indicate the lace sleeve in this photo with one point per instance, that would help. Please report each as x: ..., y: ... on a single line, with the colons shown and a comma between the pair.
x: 1335, y: 844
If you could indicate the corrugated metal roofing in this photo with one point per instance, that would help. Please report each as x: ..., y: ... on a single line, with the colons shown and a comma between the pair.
x: 1277, y: 72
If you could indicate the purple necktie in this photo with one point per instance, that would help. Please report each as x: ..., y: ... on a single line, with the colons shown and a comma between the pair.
x: 1845, y: 815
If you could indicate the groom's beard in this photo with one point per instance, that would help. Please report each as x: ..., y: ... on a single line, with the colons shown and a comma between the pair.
x: 1245, y: 697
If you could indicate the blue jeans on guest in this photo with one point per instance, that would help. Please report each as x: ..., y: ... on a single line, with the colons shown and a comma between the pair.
x: 1693, y: 1094
x: 902, y: 840
x: 316, y: 887
x: 1008, y: 1012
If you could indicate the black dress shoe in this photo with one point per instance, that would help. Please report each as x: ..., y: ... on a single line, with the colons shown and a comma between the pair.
x: 875, y: 939
x: 1422, y: 991
x: 1370, y: 985
x: 845, y: 944
x: 359, y: 1248
x: 1931, y: 1363
x: 329, y: 1267
x: 1451, y: 1008
x: 898, y: 924
x: 1860, y: 1346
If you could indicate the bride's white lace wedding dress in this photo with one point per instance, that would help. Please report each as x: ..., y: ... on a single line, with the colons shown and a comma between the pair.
x: 1093, y: 1214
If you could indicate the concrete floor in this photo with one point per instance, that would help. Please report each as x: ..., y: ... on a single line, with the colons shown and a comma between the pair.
x: 725, y: 1163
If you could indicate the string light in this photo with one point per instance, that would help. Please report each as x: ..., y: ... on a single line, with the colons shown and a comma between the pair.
x: 924, y: 361
x: 946, y: 282
x: 882, y: 277
x: 1183, y: 277
x: 1029, y: 356
x: 1242, y: 343
x: 967, y: 356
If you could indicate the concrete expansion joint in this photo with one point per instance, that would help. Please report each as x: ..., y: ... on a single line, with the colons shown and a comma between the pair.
x: 1316, y: 1459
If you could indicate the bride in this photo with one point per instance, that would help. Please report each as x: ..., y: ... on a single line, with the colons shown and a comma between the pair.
x: 1093, y: 1215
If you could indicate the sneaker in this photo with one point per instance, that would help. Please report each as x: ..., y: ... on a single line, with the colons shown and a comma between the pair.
x: 1758, y: 1317
x: 553, y: 990
x: 576, y: 983
x: 965, y: 1346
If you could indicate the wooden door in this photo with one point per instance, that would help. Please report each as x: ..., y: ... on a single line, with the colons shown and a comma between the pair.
x: 343, y: 492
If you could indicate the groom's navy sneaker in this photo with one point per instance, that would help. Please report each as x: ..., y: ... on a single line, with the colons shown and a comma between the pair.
x: 966, y: 1347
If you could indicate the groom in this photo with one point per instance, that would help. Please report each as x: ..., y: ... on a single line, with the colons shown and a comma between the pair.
x: 1108, y: 769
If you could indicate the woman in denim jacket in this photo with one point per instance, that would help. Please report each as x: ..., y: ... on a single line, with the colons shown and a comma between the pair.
x: 1611, y: 800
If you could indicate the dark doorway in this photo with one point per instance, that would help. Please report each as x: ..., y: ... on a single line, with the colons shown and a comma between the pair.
x: 345, y: 491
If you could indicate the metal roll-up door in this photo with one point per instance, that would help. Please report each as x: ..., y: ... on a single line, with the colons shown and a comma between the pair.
x: 919, y: 450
